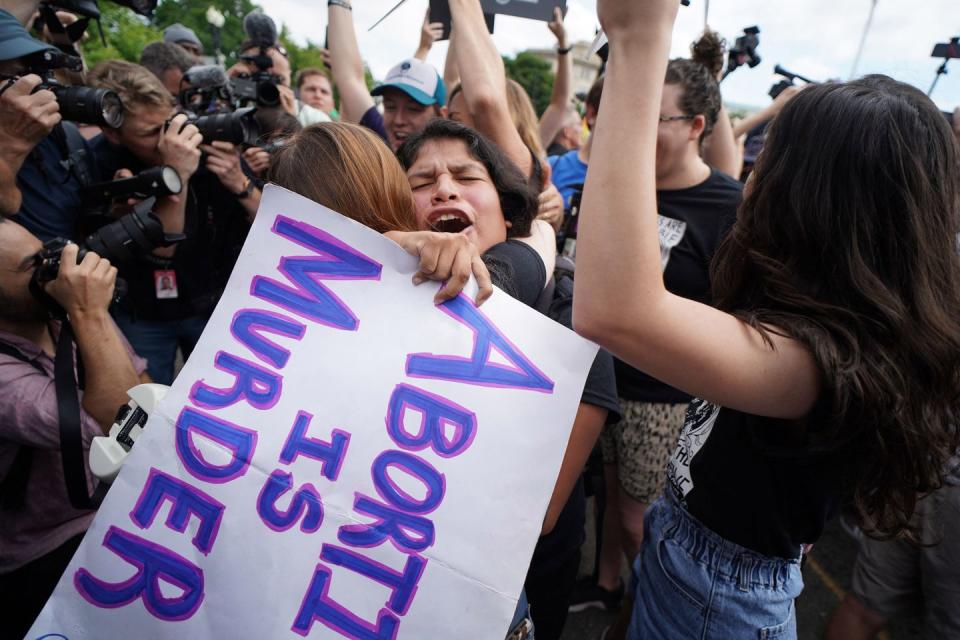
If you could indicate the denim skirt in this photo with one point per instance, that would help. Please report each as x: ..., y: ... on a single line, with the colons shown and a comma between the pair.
x: 691, y: 583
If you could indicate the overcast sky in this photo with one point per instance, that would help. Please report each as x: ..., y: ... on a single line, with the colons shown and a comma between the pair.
x: 815, y: 38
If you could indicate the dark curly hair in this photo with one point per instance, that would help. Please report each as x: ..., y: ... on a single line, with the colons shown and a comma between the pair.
x: 697, y: 78
x: 518, y: 199
x: 847, y: 242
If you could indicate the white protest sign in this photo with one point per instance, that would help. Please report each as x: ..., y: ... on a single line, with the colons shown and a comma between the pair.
x: 338, y: 457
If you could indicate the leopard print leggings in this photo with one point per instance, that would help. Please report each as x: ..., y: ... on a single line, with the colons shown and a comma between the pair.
x: 641, y: 444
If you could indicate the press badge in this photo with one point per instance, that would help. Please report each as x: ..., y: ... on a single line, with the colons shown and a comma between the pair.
x: 165, y: 283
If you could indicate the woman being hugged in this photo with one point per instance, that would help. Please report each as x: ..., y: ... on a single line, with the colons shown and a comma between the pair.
x: 829, y: 371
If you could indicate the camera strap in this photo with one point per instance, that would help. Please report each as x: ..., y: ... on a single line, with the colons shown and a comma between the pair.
x: 67, y: 386
x: 78, y: 160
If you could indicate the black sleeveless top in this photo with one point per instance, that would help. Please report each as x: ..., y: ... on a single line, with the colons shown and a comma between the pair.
x: 754, y: 480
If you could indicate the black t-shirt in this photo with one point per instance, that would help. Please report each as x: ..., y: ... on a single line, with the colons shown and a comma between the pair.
x: 755, y: 481
x: 692, y: 223
x: 215, y: 226
x: 521, y: 273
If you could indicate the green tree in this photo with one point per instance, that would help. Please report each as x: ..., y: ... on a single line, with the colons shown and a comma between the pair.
x: 193, y: 14
x: 126, y: 34
x: 534, y: 75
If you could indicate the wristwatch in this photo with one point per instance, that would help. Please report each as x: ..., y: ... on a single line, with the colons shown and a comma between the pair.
x: 247, y: 190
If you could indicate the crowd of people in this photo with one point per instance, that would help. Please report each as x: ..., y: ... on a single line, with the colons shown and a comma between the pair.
x: 780, y: 331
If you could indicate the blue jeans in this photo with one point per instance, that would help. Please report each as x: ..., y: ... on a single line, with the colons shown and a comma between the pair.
x: 157, y: 341
x: 692, y: 583
x: 521, y: 615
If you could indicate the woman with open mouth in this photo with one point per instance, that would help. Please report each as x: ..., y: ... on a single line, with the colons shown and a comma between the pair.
x: 465, y: 185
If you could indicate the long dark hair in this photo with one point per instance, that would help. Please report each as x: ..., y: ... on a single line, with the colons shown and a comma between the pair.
x: 518, y: 200
x: 847, y: 242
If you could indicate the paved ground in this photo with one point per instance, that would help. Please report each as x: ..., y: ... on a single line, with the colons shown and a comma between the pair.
x: 826, y: 577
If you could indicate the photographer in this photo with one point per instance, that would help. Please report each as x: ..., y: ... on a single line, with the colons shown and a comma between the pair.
x: 263, y: 55
x: 46, y: 155
x: 40, y: 528
x: 168, y: 62
x: 217, y: 201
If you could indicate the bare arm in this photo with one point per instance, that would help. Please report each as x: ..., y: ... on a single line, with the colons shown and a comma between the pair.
x: 429, y: 33
x: 556, y: 112
x: 484, y: 82
x: 622, y: 304
x: 346, y: 65
x: 586, y: 429
x: 543, y: 240
x: 451, y: 72
x: 720, y: 149
x: 766, y: 114
x: 85, y: 291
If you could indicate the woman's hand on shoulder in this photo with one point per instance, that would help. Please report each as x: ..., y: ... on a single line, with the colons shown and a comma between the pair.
x: 448, y: 258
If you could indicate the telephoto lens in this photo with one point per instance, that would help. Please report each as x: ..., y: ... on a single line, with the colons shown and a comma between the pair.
x: 135, y: 234
x: 88, y: 105
x: 238, y: 127
x: 155, y: 182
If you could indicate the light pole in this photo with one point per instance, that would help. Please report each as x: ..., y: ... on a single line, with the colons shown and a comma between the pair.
x: 216, y: 20
x: 863, y: 39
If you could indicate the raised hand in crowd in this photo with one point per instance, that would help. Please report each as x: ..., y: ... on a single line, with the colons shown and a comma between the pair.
x: 179, y: 146
x: 343, y: 59
x: 26, y: 118
x: 430, y: 32
x: 555, y: 115
x: 445, y: 257
x: 223, y: 160
x: 483, y: 82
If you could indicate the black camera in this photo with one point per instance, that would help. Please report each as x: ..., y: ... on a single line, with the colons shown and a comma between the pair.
x: 155, y: 182
x: 91, y: 9
x: 261, y: 88
x: 77, y: 103
x: 133, y: 235
x: 238, y: 127
x: 744, y: 51
x: 787, y: 82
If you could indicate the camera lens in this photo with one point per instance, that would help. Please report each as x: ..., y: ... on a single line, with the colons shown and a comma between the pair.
x: 268, y: 95
x: 170, y: 179
x: 89, y: 106
x: 238, y: 127
x: 133, y: 235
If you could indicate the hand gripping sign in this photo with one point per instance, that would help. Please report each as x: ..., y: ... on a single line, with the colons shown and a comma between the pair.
x: 338, y: 458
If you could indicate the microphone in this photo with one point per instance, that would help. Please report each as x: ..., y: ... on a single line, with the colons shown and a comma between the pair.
x: 207, y: 76
x: 260, y: 28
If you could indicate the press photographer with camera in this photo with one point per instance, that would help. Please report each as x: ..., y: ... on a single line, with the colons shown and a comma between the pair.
x: 262, y: 76
x: 217, y: 201
x: 47, y: 155
x: 41, y: 523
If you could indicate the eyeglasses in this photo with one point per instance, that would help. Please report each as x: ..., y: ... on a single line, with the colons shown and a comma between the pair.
x: 673, y: 118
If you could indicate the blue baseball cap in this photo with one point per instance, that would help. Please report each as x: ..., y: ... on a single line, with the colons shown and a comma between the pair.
x: 417, y: 79
x: 15, y: 41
